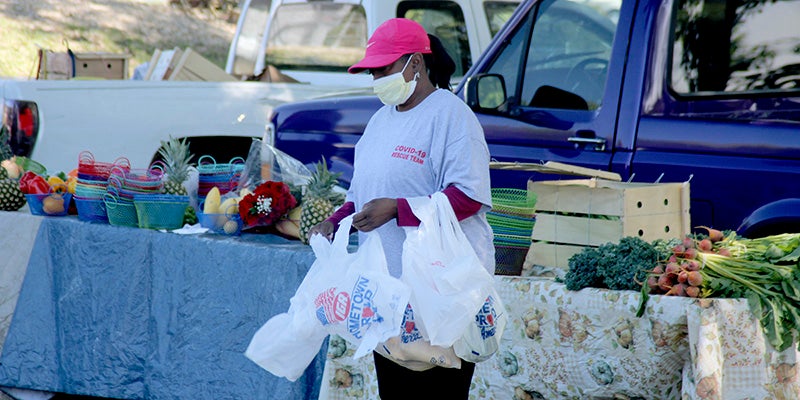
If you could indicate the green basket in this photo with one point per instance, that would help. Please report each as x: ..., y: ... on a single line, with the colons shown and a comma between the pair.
x: 509, y: 260
x: 516, y: 202
x: 120, y: 212
x: 497, y: 220
x: 160, y: 211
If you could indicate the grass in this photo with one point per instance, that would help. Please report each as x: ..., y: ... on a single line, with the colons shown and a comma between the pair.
x: 132, y: 27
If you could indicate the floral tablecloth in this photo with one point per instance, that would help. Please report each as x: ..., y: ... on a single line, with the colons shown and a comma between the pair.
x: 562, y: 344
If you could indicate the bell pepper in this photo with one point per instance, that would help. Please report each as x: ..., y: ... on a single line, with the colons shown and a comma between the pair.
x: 57, y: 184
x: 32, y: 183
x: 71, y: 183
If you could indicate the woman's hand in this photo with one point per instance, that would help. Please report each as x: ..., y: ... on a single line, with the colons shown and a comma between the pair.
x: 375, y: 213
x: 324, y: 228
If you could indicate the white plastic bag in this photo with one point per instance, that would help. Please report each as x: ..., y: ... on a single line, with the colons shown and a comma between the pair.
x: 354, y: 296
x: 482, y: 338
x: 448, y: 281
x: 287, y: 343
x: 414, y: 352
x: 284, y: 347
x: 348, y: 294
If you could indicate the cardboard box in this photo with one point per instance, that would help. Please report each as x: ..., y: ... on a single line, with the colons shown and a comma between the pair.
x: 573, y: 214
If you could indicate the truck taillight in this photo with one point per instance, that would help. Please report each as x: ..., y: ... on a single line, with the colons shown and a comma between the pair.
x: 21, y: 120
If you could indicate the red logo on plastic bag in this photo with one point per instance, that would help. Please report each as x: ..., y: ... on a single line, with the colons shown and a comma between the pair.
x: 332, y: 307
x: 485, y: 318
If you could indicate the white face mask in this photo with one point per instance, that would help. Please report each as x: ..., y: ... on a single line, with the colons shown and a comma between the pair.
x: 393, y: 89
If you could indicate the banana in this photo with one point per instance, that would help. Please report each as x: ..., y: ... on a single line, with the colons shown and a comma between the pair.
x: 289, y: 228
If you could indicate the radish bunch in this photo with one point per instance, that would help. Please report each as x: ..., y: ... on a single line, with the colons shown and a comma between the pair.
x: 764, y: 271
x: 681, y: 274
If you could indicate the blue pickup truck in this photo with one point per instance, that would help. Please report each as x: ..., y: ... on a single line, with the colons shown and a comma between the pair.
x: 654, y: 90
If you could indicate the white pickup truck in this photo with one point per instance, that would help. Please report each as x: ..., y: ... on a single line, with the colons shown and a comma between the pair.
x: 311, y: 41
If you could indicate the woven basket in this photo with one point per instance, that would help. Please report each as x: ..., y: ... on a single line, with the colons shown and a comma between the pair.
x: 120, y: 212
x: 88, y: 167
x: 91, y: 210
x: 35, y: 203
x: 160, y: 211
x: 224, y: 224
x: 517, y: 202
x: 509, y: 259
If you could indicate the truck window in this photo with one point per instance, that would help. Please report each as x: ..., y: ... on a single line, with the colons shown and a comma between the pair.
x: 246, y: 45
x: 317, y: 36
x: 735, y: 47
x: 445, y: 19
x: 498, y: 13
x: 566, y: 53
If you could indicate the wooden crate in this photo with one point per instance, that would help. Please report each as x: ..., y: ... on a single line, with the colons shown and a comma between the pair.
x: 101, y: 65
x: 573, y: 214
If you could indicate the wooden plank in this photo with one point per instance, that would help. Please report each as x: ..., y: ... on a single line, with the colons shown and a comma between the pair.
x: 554, y: 167
x: 595, y: 232
x: 161, y: 69
x: 685, y: 208
x: 101, y: 65
x: 652, y: 227
x: 152, y: 64
x: 550, y: 255
x: 577, y: 196
x: 194, y: 67
x: 576, y: 230
x: 648, y: 198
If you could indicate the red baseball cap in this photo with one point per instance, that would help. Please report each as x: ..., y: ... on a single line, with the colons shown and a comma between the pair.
x: 391, y: 40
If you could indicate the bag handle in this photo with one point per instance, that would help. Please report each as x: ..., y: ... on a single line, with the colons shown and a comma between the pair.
x: 423, y: 208
x: 447, y: 217
x: 323, y: 248
x: 342, y: 237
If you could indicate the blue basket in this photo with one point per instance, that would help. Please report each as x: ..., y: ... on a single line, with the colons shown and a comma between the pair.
x: 35, y: 203
x: 91, y: 210
x: 160, y: 211
x: 224, y: 224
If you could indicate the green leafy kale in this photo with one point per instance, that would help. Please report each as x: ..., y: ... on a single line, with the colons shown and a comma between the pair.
x: 624, y: 266
x: 616, y: 266
x: 583, y: 270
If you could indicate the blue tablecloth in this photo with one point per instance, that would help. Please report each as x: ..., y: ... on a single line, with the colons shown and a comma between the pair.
x: 137, y: 314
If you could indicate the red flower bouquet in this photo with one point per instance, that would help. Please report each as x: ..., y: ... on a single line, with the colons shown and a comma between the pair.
x: 266, y: 205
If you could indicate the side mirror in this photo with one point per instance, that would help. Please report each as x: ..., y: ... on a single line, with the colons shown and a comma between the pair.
x: 485, y: 92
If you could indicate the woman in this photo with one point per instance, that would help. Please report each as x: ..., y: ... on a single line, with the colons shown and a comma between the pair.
x: 422, y: 141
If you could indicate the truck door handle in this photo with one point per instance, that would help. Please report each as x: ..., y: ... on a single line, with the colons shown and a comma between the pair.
x: 599, y: 144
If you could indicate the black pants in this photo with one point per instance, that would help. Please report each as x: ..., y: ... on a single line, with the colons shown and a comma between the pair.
x: 398, y: 382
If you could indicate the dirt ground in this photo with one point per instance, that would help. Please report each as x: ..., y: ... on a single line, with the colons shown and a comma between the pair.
x: 136, y: 27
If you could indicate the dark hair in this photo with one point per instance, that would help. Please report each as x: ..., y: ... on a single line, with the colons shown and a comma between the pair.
x: 439, y: 64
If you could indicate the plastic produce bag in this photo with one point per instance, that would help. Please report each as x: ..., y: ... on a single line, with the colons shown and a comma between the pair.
x: 267, y: 163
x: 353, y: 295
x: 448, y: 282
x: 482, y: 338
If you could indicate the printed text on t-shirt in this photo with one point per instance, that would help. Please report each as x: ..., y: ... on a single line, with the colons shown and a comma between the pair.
x: 410, y: 153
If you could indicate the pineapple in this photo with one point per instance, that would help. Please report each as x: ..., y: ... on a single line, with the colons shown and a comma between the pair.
x: 319, y: 199
x: 177, y: 160
x: 11, y: 198
x: 5, y: 151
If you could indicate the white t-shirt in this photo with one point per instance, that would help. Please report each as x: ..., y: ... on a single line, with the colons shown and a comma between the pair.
x: 418, y: 152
